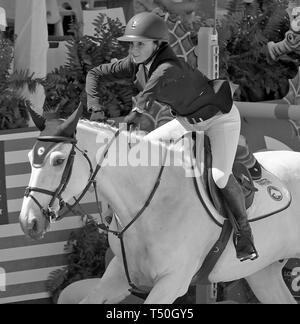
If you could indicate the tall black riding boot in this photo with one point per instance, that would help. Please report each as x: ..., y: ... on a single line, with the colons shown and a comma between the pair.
x: 243, y: 239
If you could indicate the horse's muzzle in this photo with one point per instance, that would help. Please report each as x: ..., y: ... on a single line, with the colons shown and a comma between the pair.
x: 33, y: 226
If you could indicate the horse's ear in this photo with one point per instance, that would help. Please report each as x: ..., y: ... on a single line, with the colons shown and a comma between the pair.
x: 38, y: 120
x: 69, y: 126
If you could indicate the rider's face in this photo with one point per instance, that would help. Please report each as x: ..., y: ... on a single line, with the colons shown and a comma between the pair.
x: 142, y: 50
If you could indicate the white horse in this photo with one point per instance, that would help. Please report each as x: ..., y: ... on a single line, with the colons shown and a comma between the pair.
x: 168, y: 242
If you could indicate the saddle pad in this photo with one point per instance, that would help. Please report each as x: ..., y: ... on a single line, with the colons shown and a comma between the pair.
x: 272, y: 196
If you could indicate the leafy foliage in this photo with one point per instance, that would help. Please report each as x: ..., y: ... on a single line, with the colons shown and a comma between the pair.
x: 243, y: 36
x: 13, y: 111
x: 66, y: 86
x: 86, y: 249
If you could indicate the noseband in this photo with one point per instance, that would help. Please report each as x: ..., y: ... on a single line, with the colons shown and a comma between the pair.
x: 49, y: 213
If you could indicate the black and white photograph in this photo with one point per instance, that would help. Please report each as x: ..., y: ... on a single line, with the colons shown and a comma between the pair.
x: 149, y: 155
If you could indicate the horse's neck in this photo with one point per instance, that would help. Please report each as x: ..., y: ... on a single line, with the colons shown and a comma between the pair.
x: 175, y: 205
x: 126, y: 186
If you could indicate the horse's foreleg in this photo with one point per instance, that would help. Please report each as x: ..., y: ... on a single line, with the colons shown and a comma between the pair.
x: 112, y: 288
x: 77, y: 291
x: 269, y: 287
x: 167, y: 289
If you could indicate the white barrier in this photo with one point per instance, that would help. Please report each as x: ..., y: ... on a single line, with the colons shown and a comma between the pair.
x: 3, y: 22
x: 2, y: 279
x: 268, y: 110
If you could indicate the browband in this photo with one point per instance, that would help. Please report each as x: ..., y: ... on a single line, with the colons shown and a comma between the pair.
x: 57, y: 139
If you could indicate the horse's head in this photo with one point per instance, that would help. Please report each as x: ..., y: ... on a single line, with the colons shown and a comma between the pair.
x: 52, y: 162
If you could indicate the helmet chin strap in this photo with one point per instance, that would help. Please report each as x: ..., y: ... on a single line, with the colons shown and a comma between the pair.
x: 158, y: 48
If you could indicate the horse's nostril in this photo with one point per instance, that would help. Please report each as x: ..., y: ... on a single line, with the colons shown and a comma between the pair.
x: 33, y: 225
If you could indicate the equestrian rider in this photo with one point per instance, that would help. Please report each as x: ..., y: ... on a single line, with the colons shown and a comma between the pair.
x: 160, y: 75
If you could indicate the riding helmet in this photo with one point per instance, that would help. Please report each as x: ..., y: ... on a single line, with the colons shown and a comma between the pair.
x: 145, y: 26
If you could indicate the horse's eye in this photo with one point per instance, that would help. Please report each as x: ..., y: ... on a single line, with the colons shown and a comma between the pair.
x: 58, y: 162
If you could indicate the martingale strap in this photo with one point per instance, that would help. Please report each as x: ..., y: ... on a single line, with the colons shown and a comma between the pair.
x: 135, y: 290
x: 93, y: 173
x: 120, y: 234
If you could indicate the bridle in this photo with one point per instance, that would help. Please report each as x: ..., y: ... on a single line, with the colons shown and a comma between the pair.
x: 49, y: 213
x: 52, y: 216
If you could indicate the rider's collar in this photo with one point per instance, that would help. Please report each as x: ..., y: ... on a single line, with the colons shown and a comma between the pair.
x: 148, y: 65
x: 151, y: 58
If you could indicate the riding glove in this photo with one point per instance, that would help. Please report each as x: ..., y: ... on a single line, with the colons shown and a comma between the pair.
x: 133, y: 118
x: 98, y: 116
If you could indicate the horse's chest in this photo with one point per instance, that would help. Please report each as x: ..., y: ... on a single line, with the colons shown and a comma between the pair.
x: 141, y: 268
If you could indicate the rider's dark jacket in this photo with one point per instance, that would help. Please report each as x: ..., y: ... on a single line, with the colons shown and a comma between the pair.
x: 170, y: 81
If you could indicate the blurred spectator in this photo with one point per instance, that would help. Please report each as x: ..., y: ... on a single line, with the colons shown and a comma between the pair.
x: 178, y: 7
x: 127, y: 6
x: 184, y: 8
x: 145, y: 5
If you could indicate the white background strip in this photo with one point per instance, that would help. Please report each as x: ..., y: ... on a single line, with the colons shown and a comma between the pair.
x: 33, y: 275
x: 16, y: 157
x: 66, y: 223
x: 21, y: 180
x: 33, y: 251
x: 15, y: 136
x: 21, y: 298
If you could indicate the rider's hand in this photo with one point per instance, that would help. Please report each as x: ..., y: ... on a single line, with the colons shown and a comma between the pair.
x: 133, y: 118
x: 97, y: 116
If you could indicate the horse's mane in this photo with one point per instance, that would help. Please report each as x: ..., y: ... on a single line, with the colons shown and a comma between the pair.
x: 95, y: 125
x: 134, y: 136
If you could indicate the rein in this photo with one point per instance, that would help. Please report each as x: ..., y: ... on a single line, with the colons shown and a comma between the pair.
x: 93, y: 174
x: 102, y: 226
x: 52, y: 216
x: 120, y: 234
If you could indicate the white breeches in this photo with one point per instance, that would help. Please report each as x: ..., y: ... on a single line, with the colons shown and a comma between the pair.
x: 223, y: 131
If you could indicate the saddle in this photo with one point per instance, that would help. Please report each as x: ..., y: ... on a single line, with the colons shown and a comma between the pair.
x: 261, y: 188
x: 245, y: 169
x: 264, y: 194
